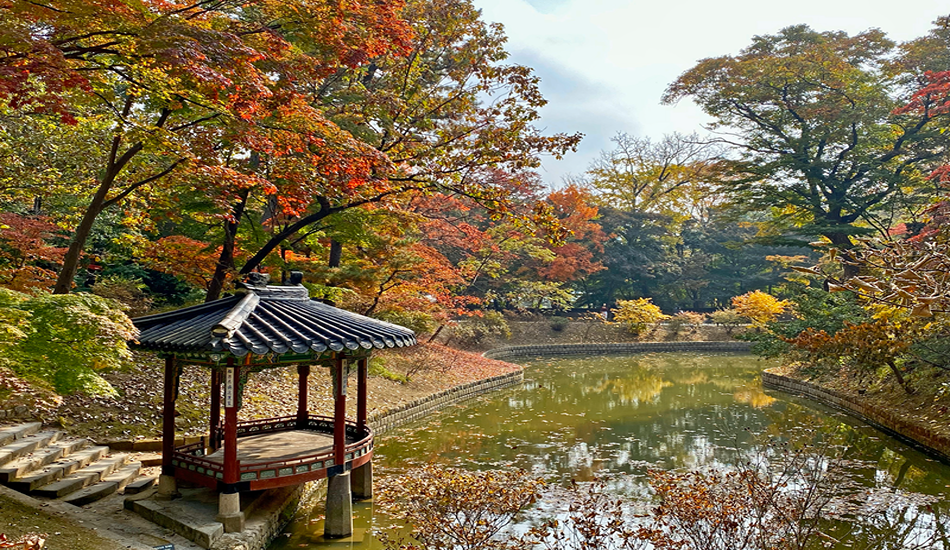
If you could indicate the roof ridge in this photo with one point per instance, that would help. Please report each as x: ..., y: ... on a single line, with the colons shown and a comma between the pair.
x: 236, y: 317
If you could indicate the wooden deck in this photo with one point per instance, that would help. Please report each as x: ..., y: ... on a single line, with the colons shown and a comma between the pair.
x: 271, y: 447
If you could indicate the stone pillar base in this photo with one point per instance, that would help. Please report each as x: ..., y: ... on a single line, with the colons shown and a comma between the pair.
x: 339, y: 522
x: 167, y: 488
x: 229, y: 512
x: 362, y: 481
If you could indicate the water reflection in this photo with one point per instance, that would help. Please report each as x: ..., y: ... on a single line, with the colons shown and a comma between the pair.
x: 616, y: 417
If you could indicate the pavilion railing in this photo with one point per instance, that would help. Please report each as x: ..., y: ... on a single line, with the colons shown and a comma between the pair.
x: 190, y: 457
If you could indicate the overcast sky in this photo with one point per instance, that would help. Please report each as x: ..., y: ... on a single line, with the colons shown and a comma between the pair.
x: 605, y: 63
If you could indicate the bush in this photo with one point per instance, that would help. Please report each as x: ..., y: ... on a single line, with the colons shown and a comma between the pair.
x: 64, y: 338
x: 636, y: 315
x: 419, y: 322
x: 685, y: 319
x: 474, y: 331
x: 759, y: 307
x: 559, y: 323
x: 728, y: 318
x: 125, y: 290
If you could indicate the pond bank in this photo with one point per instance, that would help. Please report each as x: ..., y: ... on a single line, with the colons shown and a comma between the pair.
x: 894, y: 421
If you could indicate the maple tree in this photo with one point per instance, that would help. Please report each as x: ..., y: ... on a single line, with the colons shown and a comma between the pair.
x: 176, y: 80
x: 27, y: 259
x: 813, y: 116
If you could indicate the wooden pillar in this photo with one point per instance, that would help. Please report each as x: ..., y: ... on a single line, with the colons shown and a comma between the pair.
x: 303, y: 390
x: 215, y: 417
x: 167, y: 487
x: 232, y: 375
x: 361, y: 392
x: 339, y: 412
x: 339, y: 510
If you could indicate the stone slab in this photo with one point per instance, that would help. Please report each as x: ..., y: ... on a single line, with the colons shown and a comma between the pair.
x: 9, y: 434
x: 110, y: 484
x: 26, y: 445
x: 66, y: 476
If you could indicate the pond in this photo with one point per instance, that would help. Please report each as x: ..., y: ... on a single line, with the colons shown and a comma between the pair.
x: 615, y: 417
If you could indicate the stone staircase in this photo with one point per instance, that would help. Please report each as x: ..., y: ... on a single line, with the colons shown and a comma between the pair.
x: 48, y: 464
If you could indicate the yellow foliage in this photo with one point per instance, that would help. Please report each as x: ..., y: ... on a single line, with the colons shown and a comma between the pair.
x: 635, y: 315
x: 760, y: 307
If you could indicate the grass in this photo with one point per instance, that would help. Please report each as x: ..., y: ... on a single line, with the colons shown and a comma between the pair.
x: 17, y: 519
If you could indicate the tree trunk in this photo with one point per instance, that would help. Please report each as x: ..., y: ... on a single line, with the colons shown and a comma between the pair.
x: 226, y: 259
x: 336, y: 253
x: 64, y: 282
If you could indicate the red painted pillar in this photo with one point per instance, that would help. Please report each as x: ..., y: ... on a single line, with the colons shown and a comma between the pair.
x: 215, y: 418
x: 232, y: 376
x: 361, y: 392
x: 303, y: 390
x: 168, y: 415
x: 339, y: 412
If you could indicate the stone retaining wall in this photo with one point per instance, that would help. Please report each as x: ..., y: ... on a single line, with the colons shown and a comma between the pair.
x: 889, y: 422
x: 511, y: 352
x: 414, y: 410
x: 16, y: 413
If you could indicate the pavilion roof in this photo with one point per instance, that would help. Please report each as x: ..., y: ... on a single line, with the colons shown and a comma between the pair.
x: 263, y: 319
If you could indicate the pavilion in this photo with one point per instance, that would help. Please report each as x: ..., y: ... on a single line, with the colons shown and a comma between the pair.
x: 259, y: 327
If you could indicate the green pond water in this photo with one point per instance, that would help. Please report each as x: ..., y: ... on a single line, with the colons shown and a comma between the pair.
x: 615, y: 417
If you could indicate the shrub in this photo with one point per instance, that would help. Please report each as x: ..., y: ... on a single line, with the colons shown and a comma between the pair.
x: 125, y: 290
x: 474, y: 331
x: 759, y: 307
x: 558, y: 324
x: 419, y: 322
x: 64, y: 339
x: 689, y: 319
x: 728, y: 318
x: 636, y: 315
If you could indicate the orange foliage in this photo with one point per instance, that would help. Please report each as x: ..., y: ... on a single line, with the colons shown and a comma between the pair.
x: 27, y: 261
x: 193, y: 261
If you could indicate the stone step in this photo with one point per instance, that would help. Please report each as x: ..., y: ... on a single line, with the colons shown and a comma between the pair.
x: 9, y: 434
x: 39, y: 479
x: 26, y: 445
x: 142, y: 483
x: 109, y: 484
x: 81, y: 476
x: 40, y: 458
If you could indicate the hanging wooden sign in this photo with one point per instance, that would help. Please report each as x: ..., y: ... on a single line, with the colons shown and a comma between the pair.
x: 229, y: 385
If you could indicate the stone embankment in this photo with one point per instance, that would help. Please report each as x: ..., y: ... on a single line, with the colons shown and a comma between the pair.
x: 894, y: 423
x: 514, y: 352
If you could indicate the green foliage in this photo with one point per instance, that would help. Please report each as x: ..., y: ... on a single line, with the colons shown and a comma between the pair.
x: 64, y: 339
x: 379, y: 366
x: 419, y: 322
x: 636, y: 315
x: 728, y: 318
x: 815, y: 309
x: 558, y: 324
x: 474, y: 331
x: 127, y: 291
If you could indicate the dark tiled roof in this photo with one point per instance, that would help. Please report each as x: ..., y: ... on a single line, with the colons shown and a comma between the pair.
x: 266, y: 319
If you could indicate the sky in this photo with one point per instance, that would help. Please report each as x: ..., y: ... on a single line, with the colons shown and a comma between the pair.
x: 604, y: 64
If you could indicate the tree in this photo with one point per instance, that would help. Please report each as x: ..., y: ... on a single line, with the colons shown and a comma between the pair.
x: 637, y: 314
x: 450, y: 116
x: 812, y: 117
x: 640, y: 174
x: 175, y: 82
x: 759, y: 306
x: 64, y: 340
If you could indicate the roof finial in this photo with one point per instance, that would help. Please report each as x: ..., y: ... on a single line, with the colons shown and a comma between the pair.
x: 256, y: 280
x: 296, y: 278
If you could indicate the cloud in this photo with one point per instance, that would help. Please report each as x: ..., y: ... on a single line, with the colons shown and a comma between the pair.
x: 604, y: 64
